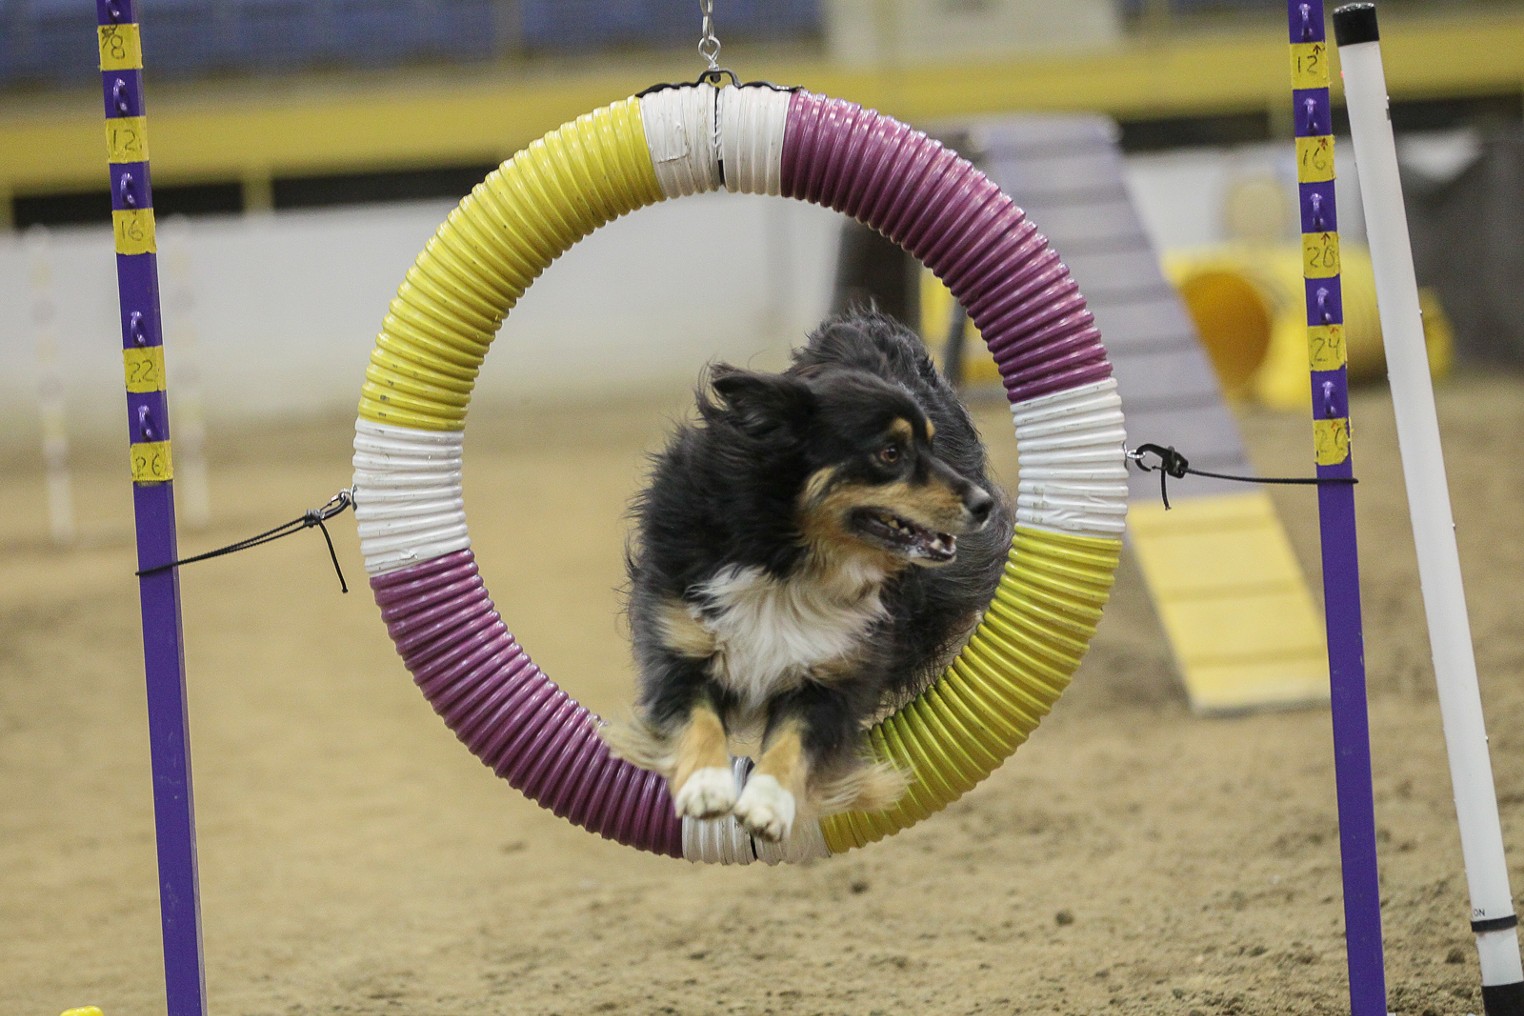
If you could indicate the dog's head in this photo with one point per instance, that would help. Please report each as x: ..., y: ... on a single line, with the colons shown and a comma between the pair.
x: 872, y: 482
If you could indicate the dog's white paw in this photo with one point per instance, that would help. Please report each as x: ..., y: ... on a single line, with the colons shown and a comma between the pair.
x: 765, y: 808
x: 708, y: 793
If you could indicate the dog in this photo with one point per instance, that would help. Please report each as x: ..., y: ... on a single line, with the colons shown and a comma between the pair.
x: 808, y: 554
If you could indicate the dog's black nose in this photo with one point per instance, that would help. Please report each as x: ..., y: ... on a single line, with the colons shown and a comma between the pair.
x: 979, y: 505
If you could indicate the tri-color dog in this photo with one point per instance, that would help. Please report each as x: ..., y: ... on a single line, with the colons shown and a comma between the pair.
x: 807, y: 554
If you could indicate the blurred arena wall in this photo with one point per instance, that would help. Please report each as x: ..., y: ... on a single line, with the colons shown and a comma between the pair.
x: 314, y: 164
x: 285, y: 306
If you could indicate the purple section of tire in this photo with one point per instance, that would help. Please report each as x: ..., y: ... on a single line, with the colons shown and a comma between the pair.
x: 940, y: 208
x: 512, y: 717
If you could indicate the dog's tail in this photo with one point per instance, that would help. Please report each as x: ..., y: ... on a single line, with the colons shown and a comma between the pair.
x: 640, y: 744
x: 870, y: 786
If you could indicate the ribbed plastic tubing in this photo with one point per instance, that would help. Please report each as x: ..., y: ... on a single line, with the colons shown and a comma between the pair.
x: 670, y: 142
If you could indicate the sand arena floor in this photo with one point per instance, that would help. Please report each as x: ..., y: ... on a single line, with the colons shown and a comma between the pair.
x: 1131, y: 858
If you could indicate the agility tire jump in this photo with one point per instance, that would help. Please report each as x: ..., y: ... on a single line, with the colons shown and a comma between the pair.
x: 674, y: 141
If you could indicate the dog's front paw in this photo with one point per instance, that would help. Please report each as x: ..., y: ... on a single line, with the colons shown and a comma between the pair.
x: 765, y: 808
x: 708, y: 793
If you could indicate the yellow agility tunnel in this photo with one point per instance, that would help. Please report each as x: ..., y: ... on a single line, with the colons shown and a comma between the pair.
x: 1249, y: 309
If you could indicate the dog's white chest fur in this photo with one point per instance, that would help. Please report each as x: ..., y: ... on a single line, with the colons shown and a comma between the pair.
x: 771, y: 633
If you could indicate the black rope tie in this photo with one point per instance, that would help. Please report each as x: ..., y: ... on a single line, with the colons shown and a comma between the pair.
x: 315, y: 517
x: 1172, y: 463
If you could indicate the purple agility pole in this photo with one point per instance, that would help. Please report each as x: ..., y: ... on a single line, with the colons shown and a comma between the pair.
x: 121, y: 63
x: 1328, y: 360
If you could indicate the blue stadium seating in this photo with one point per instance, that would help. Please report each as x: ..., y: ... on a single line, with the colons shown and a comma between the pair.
x: 466, y: 30
x: 51, y: 43
x: 51, y: 40
x: 569, y: 25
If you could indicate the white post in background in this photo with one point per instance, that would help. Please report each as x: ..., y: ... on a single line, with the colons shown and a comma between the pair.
x: 51, y: 410
x: 192, y: 484
x: 1492, y: 915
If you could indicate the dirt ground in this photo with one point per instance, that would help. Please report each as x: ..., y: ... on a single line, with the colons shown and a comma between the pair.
x: 1132, y: 858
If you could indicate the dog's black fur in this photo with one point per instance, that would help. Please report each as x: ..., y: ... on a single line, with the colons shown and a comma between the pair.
x: 767, y: 590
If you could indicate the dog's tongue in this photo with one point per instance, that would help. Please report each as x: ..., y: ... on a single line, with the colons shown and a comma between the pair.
x: 934, y: 546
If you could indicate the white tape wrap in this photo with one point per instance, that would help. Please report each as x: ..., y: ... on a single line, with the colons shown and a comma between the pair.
x: 691, y: 129
x: 725, y: 841
x: 719, y: 840
x: 1072, y: 455
x: 408, y: 501
x: 805, y: 842
x: 751, y: 137
x: 680, y: 133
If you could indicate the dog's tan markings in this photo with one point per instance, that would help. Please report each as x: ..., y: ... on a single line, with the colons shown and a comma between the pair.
x: 901, y: 430
x: 836, y: 553
x: 819, y: 517
x: 933, y: 504
x: 784, y: 760
x: 931, y: 429
x: 700, y: 745
x: 816, y: 487
x: 701, y: 783
x: 681, y: 632
x: 770, y: 801
x: 834, y: 544
x: 823, y: 509
x: 784, y: 785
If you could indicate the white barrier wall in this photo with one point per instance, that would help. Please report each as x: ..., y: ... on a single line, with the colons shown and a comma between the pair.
x: 287, y: 306
x: 889, y: 33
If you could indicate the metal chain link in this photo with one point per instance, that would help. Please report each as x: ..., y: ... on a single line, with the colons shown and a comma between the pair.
x: 709, y: 46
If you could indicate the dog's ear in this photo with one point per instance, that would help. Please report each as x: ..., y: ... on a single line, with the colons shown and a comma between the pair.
x: 762, y: 405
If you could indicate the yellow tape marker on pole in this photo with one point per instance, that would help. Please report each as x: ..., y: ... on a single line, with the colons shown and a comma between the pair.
x: 151, y: 462
x: 1309, y: 65
x: 127, y: 139
x: 144, y: 369
x: 121, y: 47
x: 1315, y: 159
x: 1320, y: 255
x: 134, y: 228
x: 1325, y: 347
x: 1330, y: 440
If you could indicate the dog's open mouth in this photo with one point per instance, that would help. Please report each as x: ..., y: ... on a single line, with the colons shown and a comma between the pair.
x: 899, y: 534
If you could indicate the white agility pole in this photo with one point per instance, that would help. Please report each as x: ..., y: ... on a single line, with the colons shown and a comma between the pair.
x: 1492, y: 915
x: 180, y: 321
x: 52, y: 411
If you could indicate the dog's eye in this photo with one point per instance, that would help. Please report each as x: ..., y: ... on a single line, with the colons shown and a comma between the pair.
x: 889, y: 454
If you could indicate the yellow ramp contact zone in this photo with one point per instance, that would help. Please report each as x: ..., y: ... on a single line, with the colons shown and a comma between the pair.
x: 511, y: 226
x: 1017, y: 662
x: 1232, y: 596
